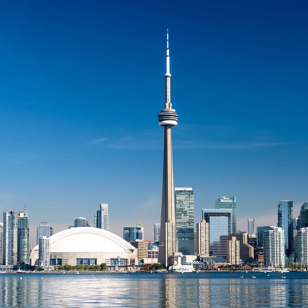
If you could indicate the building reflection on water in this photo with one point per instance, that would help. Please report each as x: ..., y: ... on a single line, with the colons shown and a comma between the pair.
x: 149, y: 290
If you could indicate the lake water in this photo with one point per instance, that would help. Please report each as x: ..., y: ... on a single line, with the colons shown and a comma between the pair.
x: 154, y: 290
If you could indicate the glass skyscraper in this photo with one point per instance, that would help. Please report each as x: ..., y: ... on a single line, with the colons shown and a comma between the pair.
x: 131, y: 233
x: 285, y: 221
x: 156, y: 232
x: 251, y: 226
x: 101, y: 218
x: 43, y: 229
x: 228, y: 203
x: 260, y: 232
x: 10, y: 229
x: 23, y: 238
x: 184, y: 220
x: 81, y: 222
x: 303, y: 216
x: 219, y: 221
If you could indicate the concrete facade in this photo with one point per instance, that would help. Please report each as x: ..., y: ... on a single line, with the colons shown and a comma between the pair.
x: 233, y: 251
x: 203, y: 239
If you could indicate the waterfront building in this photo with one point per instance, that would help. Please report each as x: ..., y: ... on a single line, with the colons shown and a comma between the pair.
x: 87, y: 246
x: 285, y: 221
x: 274, y: 247
x: 81, y: 222
x: 1, y: 243
x: 142, y: 247
x: 101, y: 218
x: 246, y: 250
x: 43, y: 229
x: 301, y: 246
x: 184, y: 218
x: 156, y: 232
x: 251, y: 226
x: 44, y: 254
x: 10, y: 232
x: 202, y: 239
x: 228, y: 203
x: 233, y: 251
x: 303, y: 216
x: 167, y: 119
x: 23, y: 238
x: 131, y: 233
x: 260, y: 232
x: 220, y: 226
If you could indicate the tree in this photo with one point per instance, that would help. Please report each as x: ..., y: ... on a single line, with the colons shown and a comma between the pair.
x: 39, y: 268
x: 97, y: 267
x: 92, y: 267
x: 67, y: 267
x: 79, y: 267
x: 104, y: 267
x: 60, y: 268
x: 86, y: 267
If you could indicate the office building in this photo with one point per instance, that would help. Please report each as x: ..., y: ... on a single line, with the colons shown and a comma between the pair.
x: 156, y: 232
x: 10, y: 236
x: 23, y: 238
x: 253, y: 241
x: 44, y: 254
x: 251, y: 226
x: 285, y: 221
x: 220, y: 226
x: 81, y: 222
x: 303, y: 216
x: 132, y: 233
x: 233, y: 251
x: 228, y: 203
x: 260, y: 232
x: 142, y: 249
x: 202, y: 239
x: 167, y: 119
x: 184, y: 218
x: 101, y: 218
x: 43, y: 229
x: 274, y: 247
x: 246, y: 250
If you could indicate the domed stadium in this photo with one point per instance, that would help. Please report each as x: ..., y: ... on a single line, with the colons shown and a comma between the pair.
x: 87, y: 246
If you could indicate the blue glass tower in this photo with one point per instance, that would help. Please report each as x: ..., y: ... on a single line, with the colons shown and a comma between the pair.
x: 285, y: 221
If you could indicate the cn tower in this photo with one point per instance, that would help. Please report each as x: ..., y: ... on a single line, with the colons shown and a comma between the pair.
x: 167, y: 119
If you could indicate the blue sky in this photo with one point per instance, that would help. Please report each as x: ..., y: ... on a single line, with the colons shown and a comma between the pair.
x: 82, y: 83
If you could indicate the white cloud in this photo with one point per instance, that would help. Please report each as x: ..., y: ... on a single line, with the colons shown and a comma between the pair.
x: 97, y: 141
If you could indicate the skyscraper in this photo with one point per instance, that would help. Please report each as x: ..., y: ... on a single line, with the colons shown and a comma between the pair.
x: 251, y: 226
x: 101, y: 218
x: 285, y: 221
x: 81, y: 222
x: 23, y: 238
x: 156, y: 232
x: 202, y: 239
x: 43, y: 229
x: 10, y: 244
x: 303, y: 216
x: 1, y: 243
x: 220, y: 226
x: 233, y: 251
x: 274, y: 250
x: 228, y: 203
x: 184, y: 217
x: 44, y: 255
x: 260, y: 232
x: 167, y: 119
x: 131, y: 233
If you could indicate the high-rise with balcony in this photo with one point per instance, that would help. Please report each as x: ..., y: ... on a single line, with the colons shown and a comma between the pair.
x: 202, y: 239
x: 43, y: 229
x: 10, y: 236
x: 228, y: 203
x: 167, y: 119
x: 184, y: 218
x: 156, y: 232
x: 251, y: 226
x: 274, y: 247
x: 285, y: 221
x: 23, y: 238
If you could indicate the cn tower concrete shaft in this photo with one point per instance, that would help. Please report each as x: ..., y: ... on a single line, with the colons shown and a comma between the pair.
x: 167, y: 118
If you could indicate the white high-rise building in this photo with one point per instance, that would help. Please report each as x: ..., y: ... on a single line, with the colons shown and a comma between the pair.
x: 301, y: 246
x: 10, y: 232
x: 251, y: 226
x: 202, y: 239
x: 233, y: 251
x: 274, y: 247
x: 156, y: 231
x: 44, y: 255
x: 101, y: 218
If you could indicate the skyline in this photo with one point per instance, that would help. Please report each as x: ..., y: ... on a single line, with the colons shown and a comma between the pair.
x: 82, y: 84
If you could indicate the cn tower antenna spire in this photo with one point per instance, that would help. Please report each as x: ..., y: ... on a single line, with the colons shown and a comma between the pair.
x: 167, y: 57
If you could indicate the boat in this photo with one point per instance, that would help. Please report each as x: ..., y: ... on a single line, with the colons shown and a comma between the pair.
x: 182, y: 269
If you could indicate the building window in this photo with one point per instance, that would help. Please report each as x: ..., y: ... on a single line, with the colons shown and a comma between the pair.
x: 86, y: 261
x: 55, y: 261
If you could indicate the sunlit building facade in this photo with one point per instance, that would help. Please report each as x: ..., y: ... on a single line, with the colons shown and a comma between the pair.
x: 156, y: 232
x: 10, y: 236
x: 228, y: 203
x: 251, y: 226
x: 23, y: 238
x: 184, y: 220
x: 43, y: 229
x: 101, y: 218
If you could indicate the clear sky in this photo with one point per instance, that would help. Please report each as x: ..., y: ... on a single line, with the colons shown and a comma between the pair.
x: 82, y: 83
